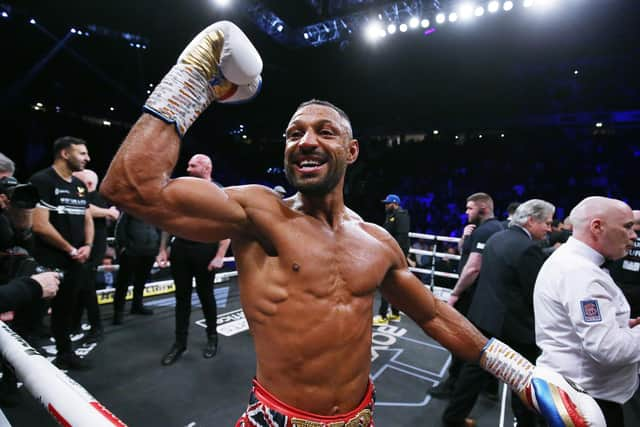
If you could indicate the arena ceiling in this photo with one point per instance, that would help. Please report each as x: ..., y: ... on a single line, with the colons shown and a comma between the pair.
x: 500, y: 65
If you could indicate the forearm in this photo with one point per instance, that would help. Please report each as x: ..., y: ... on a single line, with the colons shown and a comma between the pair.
x: 89, y: 229
x: 135, y: 179
x: 98, y: 212
x: 455, y: 332
x: 164, y: 241
x: 466, y: 279
x: 222, y: 248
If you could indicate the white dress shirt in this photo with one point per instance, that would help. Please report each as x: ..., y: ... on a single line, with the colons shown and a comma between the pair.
x: 582, y: 324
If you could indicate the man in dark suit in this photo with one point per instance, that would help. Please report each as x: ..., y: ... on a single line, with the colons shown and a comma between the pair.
x: 502, y: 305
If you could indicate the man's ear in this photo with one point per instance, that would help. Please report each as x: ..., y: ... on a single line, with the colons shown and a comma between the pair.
x: 353, y: 151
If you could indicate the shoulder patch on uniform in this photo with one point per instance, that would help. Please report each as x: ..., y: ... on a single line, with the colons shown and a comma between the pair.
x: 480, y: 245
x: 590, y: 311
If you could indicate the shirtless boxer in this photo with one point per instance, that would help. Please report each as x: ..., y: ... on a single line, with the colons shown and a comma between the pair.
x: 308, y: 266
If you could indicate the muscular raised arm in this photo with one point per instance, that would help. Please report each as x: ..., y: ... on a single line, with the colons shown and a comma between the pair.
x: 139, y: 182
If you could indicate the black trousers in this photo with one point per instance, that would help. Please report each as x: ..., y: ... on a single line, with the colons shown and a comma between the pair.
x: 88, y: 299
x: 64, y: 304
x: 613, y: 413
x: 136, y: 267
x: 384, y: 308
x: 473, y: 380
x: 188, y: 262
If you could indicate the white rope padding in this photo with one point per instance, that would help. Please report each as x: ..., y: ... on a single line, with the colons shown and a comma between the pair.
x: 444, y: 255
x: 66, y: 400
x: 434, y: 237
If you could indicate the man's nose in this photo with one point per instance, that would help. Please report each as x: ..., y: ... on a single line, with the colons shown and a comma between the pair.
x: 308, y: 140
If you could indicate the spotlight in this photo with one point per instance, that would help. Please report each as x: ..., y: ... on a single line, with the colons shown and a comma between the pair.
x: 32, y: 21
x: 106, y: 122
x: 436, y: 132
x: 111, y: 109
x: 502, y: 135
x: 493, y: 6
x: 527, y: 3
x: 372, y: 31
x: 466, y: 11
x: 79, y: 32
x: 279, y: 28
x: 391, y: 28
x: 425, y: 23
x: 413, y: 22
x: 480, y: 136
x: 39, y: 104
x: 306, y: 36
x: 148, y: 92
x: 403, y: 28
x: 382, y: 33
x: 453, y: 17
x: 599, y: 125
x: 507, y: 6
x: 576, y: 72
x: 479, y: 11
x: 150, y: 84
x: 138, y: 45
x: 440, y: 18
x: 73, y: 30
x: 222, y: 3
x: 5, y: 14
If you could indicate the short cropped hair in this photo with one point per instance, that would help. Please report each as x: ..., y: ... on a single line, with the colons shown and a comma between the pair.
x: 328, y: 104
x: 7, y: 165
x: 65, y: 142
x: 481, y: 197
x: 537, y: 209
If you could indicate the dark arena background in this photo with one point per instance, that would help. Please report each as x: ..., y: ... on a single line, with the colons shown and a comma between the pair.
x: 528, y: 99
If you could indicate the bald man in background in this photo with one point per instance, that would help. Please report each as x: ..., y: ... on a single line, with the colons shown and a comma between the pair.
x: 582, y: 318
x: 101, y: 212
x: 191, y: 260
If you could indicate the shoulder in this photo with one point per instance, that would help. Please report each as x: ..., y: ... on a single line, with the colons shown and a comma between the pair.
x: 253, y: 193
x: 41, y: 176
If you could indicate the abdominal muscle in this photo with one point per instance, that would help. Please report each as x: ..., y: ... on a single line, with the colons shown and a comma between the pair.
x: 315, y: 354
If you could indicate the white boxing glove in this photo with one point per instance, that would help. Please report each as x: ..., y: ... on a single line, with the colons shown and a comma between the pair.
x: 561, y: 403
x: 220, y: 64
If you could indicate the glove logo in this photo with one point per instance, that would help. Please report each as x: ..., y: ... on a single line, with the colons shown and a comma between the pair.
x: 590, y: 311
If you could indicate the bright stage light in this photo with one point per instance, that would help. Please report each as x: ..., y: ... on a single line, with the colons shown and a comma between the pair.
x: 391, y: 28
x: 453, y: 17
x: 5, y: 14
x: 279, y: 28
x: 382, y: 33
x: 413, y: 22
x: 527, y: 3
x: 436, y: 132
x: 479, y: 11
x: 106, y: 122
x: 507, y: 6
x: 440, y: 18
x: 372, y: 31
x: 222, y: 3
x: 306, y: 36
x: 32, y: 21
x: 403, y: 28
x: 425, y: 23
x: 493, y: 6
x: 599, y: 125
x: 466, y: 11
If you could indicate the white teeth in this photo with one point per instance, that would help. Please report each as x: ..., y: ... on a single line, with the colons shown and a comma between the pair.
x: 308, y: 163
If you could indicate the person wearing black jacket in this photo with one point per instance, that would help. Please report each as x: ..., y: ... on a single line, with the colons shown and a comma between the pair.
x: 138, y: 244
x: 23, y: 290
x: 397, y: 223
x: 502, y: 305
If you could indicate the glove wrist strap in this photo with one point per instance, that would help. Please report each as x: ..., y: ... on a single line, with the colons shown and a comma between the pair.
x: 506, y: 364
x: 181, y: 96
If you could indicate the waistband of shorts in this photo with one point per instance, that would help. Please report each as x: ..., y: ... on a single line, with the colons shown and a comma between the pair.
x: 364, y: 409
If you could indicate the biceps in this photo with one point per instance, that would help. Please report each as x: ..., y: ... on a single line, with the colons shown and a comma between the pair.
x: 197, y: 210
x: 404, y: 291
x: 40, y: 218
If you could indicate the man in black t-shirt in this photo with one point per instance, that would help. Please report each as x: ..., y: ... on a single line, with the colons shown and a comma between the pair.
x: 482, y: 225
x: 63, y: 229
x: 397, y: 222
x: 626, y: 271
